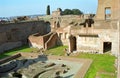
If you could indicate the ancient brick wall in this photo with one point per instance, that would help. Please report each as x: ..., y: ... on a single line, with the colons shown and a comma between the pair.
x: 46, y: 38
x: 53, y: 41
x: 113, y: 5
x: 19, y: 32
x: 46, y: 41
x: 36, y: 41
x: 88, y: 43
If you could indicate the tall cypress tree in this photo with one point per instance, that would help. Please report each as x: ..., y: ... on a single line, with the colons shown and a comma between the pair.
x: 48, y: 10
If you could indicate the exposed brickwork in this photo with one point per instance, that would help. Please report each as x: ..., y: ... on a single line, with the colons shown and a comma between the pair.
x: 19, y: 32
x: 35, y: 40
x: 46, y: 38
x: 46, y: 41
x: 53, y: 41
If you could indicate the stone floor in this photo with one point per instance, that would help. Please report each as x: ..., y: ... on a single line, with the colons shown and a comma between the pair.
x: 30, y: 65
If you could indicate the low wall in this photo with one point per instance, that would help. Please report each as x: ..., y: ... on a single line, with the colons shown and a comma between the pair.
x: 38, y: 41
x: 7, y: 59
x: 46, y: 41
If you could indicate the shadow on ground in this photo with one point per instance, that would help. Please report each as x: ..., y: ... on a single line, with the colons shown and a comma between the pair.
x: 15, y: 65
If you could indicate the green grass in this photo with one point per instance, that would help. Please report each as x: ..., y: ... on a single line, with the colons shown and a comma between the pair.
x: 102, y: 63
x: 58, y: 50
x: 107, y: 76
x: 24, y: 48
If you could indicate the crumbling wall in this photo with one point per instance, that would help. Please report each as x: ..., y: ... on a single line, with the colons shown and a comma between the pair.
x: 93, y: 41
x: 39, y: 41
x: 53, y: 41
x: 46, y: 41
x: 46, y: 38
x: 15, y: 33
x: 36, y: 41
x: 112, y: 4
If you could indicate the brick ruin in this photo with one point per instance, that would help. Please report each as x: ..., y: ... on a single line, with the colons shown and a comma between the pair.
x: 86, y: 33
x: 44, y: 41
x: 82, y: 33
x: 14, y: 35
x: 97, y: 34
x: 108, y: 9
x: 56, y: 13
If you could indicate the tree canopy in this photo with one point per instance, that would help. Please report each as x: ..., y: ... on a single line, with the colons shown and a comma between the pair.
x: 72, y: 12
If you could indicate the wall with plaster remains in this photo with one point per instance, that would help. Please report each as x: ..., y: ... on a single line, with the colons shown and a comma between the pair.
x: 88, y: 39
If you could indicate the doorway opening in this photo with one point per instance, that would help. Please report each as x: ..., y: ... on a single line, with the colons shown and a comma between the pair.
x: 73, y: 43
x: 107, y: 47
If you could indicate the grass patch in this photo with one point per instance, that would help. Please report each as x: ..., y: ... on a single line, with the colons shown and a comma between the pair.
x: 101, y: 62
x: 107, y: 76
x: 58, y: 50
x: 24, y: 48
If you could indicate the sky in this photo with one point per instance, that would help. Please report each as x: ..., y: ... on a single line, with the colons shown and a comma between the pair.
x: 31, y: 7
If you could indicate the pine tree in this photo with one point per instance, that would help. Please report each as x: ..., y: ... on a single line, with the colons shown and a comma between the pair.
x: 48, y: 10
